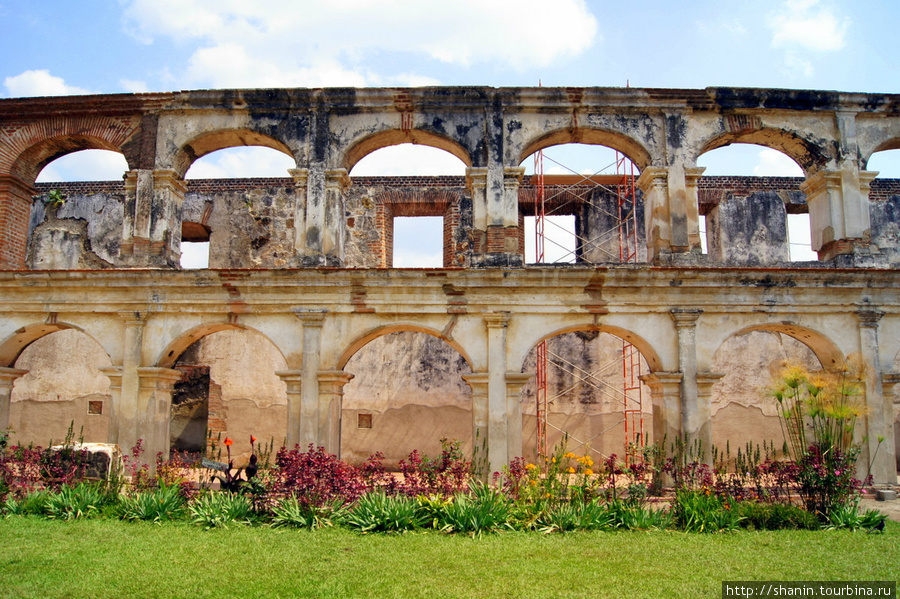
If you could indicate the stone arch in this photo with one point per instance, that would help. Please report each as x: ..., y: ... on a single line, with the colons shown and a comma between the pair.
x: 408, y: 392
x: 633, y: 148
x: 176, y: 347
x: 654, y: 361
x: 380, y: 331
x: 212, y: 141
x: 826, y: 351
x: 805, y: 152
x: 37, y: 144
x: 745, y: 365
x: 393, y: 137
x: 892, y: 143
x: 597, y: 397
x: 229, y: 387
x: 63, y: 386
x: 15, y: 344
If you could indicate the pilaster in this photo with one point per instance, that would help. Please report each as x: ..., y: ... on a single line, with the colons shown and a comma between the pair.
x: 498, y: 434
x: 838, y: 202
x: 331, y: 394
x: 880, y: 410
x: 665, y: 393
x: 8, y: 377
x: 695, y: 421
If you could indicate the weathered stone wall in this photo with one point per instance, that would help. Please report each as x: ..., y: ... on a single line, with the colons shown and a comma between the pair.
x: 63, y: 379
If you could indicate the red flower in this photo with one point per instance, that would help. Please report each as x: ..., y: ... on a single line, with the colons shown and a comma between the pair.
x: 252, y: 439
x: 228, y: 442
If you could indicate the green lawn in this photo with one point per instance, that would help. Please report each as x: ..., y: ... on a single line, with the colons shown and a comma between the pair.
x: 108, y: 558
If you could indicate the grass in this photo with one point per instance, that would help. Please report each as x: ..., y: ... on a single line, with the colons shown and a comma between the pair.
x: 108, y: 558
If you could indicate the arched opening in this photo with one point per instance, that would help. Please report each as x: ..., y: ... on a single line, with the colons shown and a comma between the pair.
x: 407, y: 222
x: 407, y: 394
x: 747, y: 221
x: 85, y: 165
x: 63, y: 388
x: 74, y: 215
x: 884, y: 203
x: 228, y: 389
x: 580, y: 205
x: 236, y: 230
x: 590, y: 394
x: 742, y: 407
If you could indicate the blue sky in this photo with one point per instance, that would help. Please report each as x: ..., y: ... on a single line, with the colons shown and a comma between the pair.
x: 55, y: 47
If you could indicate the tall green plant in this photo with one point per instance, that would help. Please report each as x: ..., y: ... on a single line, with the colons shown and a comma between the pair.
x: 818, y: 413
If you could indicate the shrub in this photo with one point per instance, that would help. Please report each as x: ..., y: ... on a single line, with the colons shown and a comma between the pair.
x: 32, y: 504
x: 218, y: 510
x: 703, y: 511
x: 628, y: 516
x: 849, y: 517
x: 290, y: 512
x: 774, y: 516
x: 155, y: 505
x: 378, y: 512
x: 591, y: 515
x: 69, y: 503
x: 484, y: 509
x: 445, y: 475
x: 316, y: 477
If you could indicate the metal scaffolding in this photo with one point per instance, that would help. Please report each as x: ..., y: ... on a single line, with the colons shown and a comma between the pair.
x: 625, y: 231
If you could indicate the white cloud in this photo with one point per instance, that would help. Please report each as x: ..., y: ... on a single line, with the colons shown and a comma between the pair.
x: 312, y: 43
x: 773, y: 163
x: 40, y: 83
x: 85, y: 165
x: 133, y: 86
x: 253, y: 161
x: 409, y: 159
x: 807, y: 25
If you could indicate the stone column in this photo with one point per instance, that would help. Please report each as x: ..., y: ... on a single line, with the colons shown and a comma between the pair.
x: 293, y: 379
x: 151, y: 234
x: 665, y: 394
x: 155, y: 409
x: 880, y: 417
x: 301, y: 185
x: 498, y: 435
x: 125, y: 413
x: 838, y: 203
x: 888, y: 382
x: 495, y: 214
x: 653, y: 182
x: 310, y: 415
x: 15, y: 210
x: 705, y: 382
x: 514, y: 383
x: 478, y: 381
x: 331, y: 394
x: 695, y: 421
x: 8, y: 378
x: 321, y: 228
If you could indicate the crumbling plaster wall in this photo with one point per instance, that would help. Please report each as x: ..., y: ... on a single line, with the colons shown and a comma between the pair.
x: 63, y: 377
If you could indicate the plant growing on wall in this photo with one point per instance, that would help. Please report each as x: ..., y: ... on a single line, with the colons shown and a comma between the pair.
x: 55, y: 198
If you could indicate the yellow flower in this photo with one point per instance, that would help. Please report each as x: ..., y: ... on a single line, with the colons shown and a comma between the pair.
x: 571, y: 470
x: 530, y: 467
x: 569, y: 455
x: 588, y: 471
x: 533, y: 483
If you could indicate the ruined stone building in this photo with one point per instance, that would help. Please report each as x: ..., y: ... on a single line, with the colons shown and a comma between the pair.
x: 302, y: 331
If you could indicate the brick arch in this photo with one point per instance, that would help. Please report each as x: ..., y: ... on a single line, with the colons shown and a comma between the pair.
x: 633, y: 148
x: 30, y: 148
x: 806, y: 153
x: 393, y: 137
x: 212, y: 141
x: 358, y: 343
